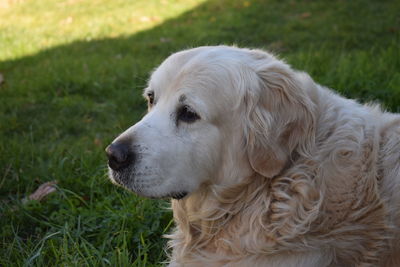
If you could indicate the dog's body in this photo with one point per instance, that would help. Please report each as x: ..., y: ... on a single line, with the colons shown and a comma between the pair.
x: 270, y: 168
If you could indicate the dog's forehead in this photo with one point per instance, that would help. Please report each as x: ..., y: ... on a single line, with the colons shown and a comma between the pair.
x: 200, y: 71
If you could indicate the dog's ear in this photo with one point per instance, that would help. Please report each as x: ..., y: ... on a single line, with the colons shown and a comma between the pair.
x: 280, y: 114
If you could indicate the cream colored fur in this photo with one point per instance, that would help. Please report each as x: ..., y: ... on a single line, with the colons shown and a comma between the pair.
x: 297, y: 175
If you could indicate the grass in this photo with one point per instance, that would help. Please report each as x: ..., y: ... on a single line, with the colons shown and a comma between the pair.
x: 73, y: 74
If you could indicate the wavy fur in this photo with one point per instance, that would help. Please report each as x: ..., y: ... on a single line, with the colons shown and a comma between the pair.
x: 323, y: 188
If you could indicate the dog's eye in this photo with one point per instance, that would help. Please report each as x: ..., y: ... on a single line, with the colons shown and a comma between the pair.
x: 150, y: 96
x: 186, y: 114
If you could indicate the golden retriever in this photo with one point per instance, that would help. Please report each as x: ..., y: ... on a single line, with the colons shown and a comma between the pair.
x: 265, y: 166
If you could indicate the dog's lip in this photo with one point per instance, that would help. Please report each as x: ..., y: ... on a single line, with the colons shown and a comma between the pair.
x: 114, y: 179
x: 174, y: 195
x: 179, y: 195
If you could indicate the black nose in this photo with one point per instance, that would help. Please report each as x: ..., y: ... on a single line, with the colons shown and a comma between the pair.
x: 119, y: 156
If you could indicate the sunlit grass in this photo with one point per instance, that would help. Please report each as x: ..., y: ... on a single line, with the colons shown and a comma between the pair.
x: 29, y: 26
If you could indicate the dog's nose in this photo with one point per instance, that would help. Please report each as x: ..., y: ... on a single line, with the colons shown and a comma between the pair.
x: 119, y: 156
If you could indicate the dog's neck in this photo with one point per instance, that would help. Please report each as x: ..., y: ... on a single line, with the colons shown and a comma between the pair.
x: 217, y: 219
x: 201, y: 216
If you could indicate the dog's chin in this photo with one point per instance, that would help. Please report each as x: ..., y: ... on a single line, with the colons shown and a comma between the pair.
x: 117, y: 179
x: 173, y: 195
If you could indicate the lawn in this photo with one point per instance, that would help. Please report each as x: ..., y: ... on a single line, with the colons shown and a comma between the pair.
x: 72, y: 74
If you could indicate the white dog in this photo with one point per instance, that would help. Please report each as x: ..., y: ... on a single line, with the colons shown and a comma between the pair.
x: 265, y: 167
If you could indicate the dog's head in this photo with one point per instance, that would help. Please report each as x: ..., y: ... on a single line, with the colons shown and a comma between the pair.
x: 215, y: 115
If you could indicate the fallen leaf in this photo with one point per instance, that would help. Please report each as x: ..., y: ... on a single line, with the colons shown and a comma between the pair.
x: 42, y: 191
x: 1, y: 79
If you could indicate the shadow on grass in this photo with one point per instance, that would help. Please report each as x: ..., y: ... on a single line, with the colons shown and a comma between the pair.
x: 60, y: 107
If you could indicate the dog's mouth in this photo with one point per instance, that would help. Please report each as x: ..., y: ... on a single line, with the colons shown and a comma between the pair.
x: 178, y: 195
x: 173, y: 195
x: 119, y: 179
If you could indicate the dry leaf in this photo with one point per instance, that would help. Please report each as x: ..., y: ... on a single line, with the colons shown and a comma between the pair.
x: 42, y: 191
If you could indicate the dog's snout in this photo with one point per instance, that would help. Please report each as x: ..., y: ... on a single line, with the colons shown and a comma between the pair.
x: 119, y: 156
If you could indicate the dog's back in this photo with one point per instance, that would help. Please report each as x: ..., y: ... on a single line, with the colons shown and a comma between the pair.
x: 389, y: 175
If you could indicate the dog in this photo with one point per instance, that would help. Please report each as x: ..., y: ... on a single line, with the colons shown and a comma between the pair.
x: 264, y: 166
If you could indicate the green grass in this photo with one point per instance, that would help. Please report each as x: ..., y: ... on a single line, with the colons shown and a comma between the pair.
x: 73, y: 74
